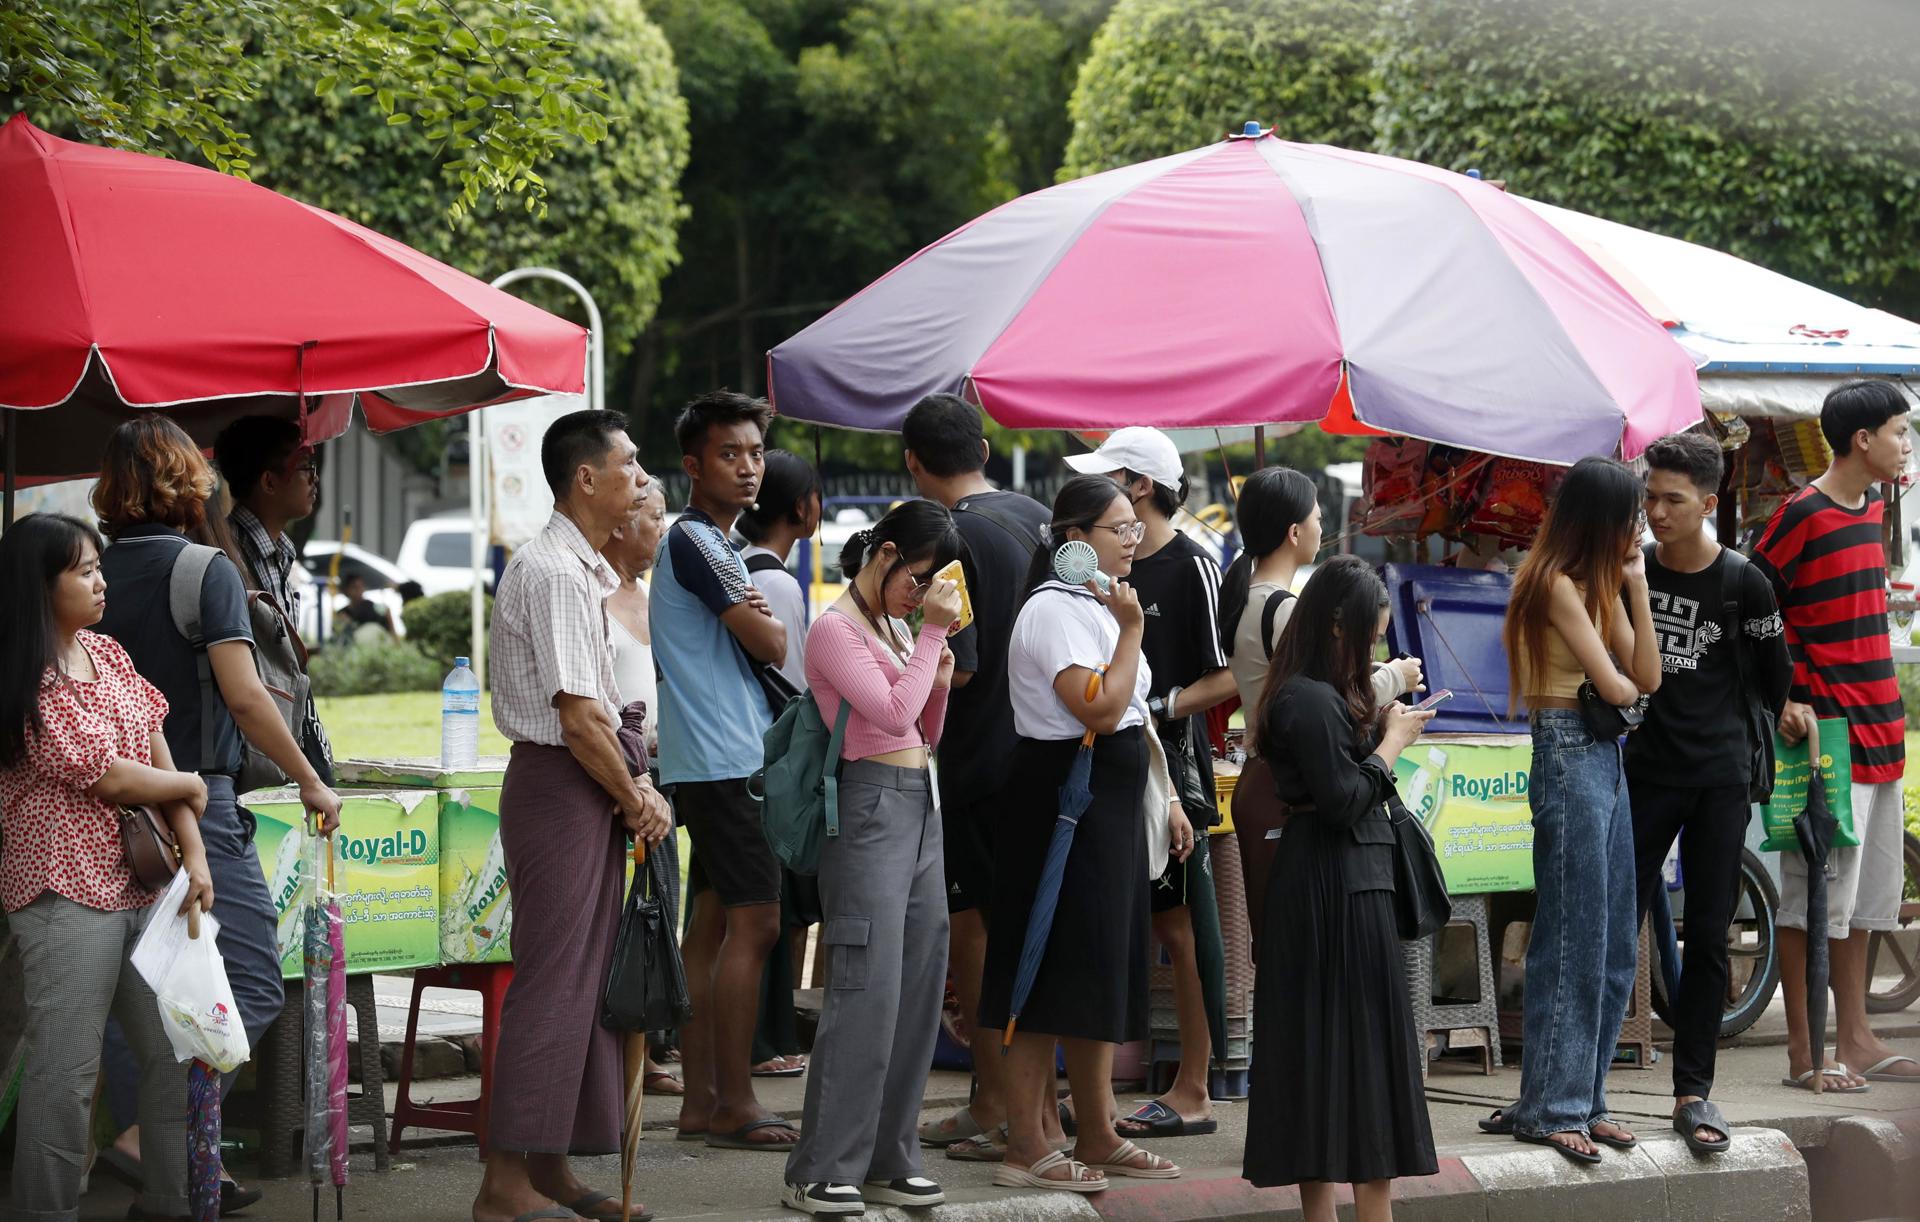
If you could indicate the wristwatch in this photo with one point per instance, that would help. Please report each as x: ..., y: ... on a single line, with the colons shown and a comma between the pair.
x: 1162, y: 706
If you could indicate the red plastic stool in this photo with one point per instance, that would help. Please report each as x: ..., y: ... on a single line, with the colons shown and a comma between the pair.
x: 490, y: 980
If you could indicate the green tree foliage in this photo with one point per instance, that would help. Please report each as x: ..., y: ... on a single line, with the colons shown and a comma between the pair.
x: 1168, y: 75
x: 1746, y: 127
x: 441, y: 626
x: 831, y: 138
x: 491, y: 88
x: 611, y: 210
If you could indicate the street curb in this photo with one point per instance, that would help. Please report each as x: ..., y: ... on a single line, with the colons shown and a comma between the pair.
x: 1763, y: 1175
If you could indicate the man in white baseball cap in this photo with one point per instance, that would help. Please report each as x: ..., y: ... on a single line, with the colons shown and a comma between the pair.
x: 1143, y: 451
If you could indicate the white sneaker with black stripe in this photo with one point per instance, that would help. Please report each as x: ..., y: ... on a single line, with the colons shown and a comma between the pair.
x: 833, y: 1199
x: 914, y: 1192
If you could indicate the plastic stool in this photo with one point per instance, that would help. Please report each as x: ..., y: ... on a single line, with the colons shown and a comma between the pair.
x: 1417, y: 958
x: 490, y: 980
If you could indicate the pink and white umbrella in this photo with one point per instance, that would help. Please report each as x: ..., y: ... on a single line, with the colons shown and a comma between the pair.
x: 1251, y: 282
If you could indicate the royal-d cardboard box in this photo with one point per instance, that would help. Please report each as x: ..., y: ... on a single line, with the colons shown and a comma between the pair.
x: 386, y: 875
x: 476, y: 912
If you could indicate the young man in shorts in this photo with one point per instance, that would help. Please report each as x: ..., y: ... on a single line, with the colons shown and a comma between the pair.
x: 711, y: 630
x: 1823, y: 551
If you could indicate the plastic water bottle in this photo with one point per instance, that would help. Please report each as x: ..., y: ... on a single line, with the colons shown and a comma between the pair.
x: 460, y: 717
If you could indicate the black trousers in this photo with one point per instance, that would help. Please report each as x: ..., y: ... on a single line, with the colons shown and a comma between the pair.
x: 1712, y: 827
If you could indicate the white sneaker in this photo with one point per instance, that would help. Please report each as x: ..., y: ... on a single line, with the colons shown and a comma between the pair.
x: 914, y: 1192
x: 833, y: 1199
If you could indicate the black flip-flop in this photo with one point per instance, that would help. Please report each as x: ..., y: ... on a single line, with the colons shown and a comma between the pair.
x: 1618, y: 1143
x: 739, y: 1139
x: 591, y: 1203
x: 1498, y: 1122
x: 1067, y: 1124
x: 1156, y: 1119
x: 1702, y: 1114
x: 1566, y: 1151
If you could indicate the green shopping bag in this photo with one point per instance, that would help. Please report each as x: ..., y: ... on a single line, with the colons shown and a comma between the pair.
x: 1791, y: 770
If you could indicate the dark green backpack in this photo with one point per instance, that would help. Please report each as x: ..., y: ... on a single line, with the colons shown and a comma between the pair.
x: 799, y: 785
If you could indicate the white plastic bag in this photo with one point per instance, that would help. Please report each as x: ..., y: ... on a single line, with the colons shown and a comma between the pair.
x: 196, y: 1003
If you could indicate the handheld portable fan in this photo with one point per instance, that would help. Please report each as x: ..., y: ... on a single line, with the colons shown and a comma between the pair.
x: 1076, y: 563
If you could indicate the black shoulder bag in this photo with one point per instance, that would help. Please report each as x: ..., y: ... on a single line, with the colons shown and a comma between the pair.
x: 776, y: 687
x: 1421, y: 906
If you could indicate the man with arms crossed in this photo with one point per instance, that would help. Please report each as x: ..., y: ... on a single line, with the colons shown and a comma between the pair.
x: 711, y: 630
x: 567, y: 805
x: 1824, y: 553
x: 1691, y: 769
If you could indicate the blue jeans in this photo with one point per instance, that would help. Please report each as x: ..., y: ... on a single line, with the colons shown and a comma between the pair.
x: 1582, y: 954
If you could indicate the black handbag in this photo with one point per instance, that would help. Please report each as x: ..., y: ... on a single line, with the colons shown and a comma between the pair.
x: 1190, y: 784
x: 647, y: 984
x: 1606, y: 720
x: 1421, y: 906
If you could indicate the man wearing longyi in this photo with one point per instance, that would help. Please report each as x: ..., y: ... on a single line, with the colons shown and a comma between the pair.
x: 566, y: 808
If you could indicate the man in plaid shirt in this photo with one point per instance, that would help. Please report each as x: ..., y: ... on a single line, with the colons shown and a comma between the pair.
x: 567, y: 805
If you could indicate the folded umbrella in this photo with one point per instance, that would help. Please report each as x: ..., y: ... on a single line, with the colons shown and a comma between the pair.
x: 1815, y: 827
x: 1076, y: 794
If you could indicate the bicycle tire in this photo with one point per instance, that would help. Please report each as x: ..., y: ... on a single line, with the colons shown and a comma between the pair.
x: 1903, y: 993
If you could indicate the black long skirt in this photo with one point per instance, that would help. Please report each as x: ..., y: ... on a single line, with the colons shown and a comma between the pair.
x: 1336, y: 1094
x: 1093, y: 979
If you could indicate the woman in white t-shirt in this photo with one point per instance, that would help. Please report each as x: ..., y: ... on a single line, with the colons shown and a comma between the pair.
x: 788, y: 511
x: 1279, y: 519
x: 1090, y: 993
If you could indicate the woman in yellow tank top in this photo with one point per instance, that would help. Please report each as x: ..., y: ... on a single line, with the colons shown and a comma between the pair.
x: 1578, y: 614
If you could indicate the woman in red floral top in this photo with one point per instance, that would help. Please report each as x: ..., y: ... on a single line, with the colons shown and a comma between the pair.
x: 80, y: 735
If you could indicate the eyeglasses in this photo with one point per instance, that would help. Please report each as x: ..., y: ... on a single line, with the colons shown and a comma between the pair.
x: 1130, y: 532
x: 921, y: 581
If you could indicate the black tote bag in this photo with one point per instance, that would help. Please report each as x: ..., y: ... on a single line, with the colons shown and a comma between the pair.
x: 647, y: 984
x: 1421, y: 906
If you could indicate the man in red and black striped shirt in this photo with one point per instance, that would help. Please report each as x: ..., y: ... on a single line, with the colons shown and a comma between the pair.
x: 1825, y: 555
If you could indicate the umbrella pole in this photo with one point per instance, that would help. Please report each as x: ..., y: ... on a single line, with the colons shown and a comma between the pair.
x: 1259, y: 446
x: 12, y: 421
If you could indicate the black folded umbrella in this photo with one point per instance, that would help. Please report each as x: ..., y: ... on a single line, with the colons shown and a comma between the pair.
x: 1815, y: 827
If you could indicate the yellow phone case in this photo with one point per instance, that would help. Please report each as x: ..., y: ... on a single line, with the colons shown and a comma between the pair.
x: 954, y: 574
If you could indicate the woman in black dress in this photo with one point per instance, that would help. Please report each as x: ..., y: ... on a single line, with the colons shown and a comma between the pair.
x: 1336, y: 1095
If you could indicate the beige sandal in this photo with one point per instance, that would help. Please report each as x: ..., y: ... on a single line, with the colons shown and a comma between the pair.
x: 1125, y: 1161
x: 1080, y: 1177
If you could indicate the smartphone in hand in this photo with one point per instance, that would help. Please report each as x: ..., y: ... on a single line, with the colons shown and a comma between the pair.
x: 1434, y: 700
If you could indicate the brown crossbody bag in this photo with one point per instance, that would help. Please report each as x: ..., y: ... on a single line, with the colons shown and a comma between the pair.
x: 153, y: 855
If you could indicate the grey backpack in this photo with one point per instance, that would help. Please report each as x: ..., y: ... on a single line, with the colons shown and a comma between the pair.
x: 279, y: 656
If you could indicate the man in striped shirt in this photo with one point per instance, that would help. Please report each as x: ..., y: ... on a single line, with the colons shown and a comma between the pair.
x: 1824, y: 553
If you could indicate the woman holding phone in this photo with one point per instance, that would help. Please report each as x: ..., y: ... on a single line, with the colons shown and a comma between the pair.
x: 1579, y: 619
x: 1336, y: 1095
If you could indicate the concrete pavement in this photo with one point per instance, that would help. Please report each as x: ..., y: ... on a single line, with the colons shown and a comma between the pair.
x: 1797, y: 1156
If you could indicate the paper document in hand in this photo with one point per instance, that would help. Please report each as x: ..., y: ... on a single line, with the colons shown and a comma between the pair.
x: 165, y: 936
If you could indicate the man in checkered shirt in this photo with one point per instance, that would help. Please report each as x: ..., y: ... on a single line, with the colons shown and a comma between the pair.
x: 567, y: 805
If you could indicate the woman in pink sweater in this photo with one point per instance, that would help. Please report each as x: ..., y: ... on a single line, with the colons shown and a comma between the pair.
x: 882, y: 879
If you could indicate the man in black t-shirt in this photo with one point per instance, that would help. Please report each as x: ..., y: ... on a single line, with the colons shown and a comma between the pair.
x: 946, y: 453
x: 1691, y: 767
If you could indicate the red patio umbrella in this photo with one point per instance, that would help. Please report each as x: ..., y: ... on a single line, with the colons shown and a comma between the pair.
x: 134, y: 282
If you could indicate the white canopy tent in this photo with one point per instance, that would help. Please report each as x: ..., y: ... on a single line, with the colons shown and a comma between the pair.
x: 1766, y: 344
